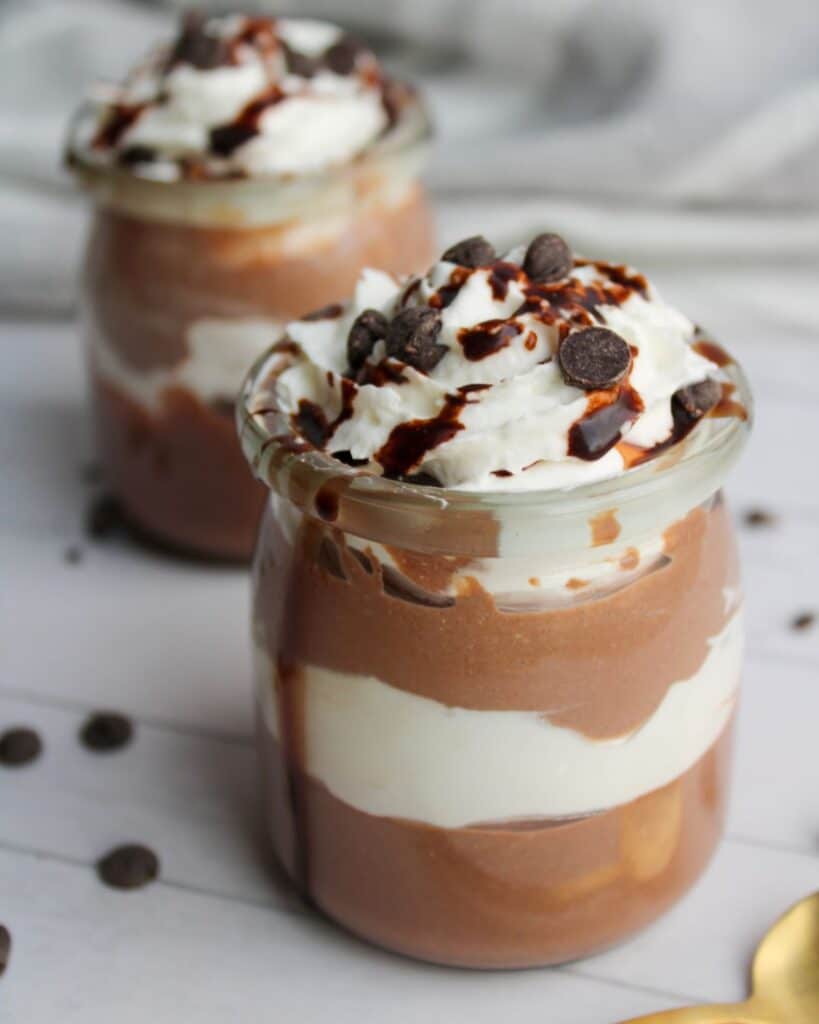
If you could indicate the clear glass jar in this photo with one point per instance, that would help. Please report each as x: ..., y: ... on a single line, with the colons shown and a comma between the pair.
x: 187, y: 282
x: 495, y: 729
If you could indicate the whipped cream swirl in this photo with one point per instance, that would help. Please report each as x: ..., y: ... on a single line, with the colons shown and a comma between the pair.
x: 237, y: 96
x: 496, y: 411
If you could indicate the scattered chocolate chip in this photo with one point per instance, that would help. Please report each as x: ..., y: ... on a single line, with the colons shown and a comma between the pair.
x: 342, y: 56
x: 5, y: 948
x: 368, y: 328
x: 804, y: 620
x: 593, y: 358
x: 104, y: 517
x: 548, y: 258
x: 471, y: 252
x: 331, y: 312
x: 697, y: 399
x: 19, y: 746
x: 128, y: 867
x: 346, y: 456
x: 133, y: 155
x: 300, y: 63
x: 412, y: 338
x: 106, y: 730
x: 759, y: 517
x: 73, y: 554
x: 197, y: 47
x: 226, y: 138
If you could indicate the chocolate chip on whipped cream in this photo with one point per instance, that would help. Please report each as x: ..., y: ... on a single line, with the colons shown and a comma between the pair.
x: 548, y: 258
x: 368, y: 328
x: 594, y: 358
x: 238, y: 96
x: 412, y: 338
x: 471, y: 252
x: 484, y: 377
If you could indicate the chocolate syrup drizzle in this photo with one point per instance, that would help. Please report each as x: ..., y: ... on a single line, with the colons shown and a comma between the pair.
x: 487, y: 338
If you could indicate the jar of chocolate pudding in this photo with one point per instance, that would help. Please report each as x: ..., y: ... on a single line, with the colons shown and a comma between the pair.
x: 495, y: 716
x: 242, y: 176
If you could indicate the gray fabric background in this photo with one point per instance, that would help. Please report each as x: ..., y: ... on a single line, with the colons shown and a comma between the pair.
x: 662, y: 130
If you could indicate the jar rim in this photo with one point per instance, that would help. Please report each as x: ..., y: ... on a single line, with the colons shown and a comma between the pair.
x: 696, y: 465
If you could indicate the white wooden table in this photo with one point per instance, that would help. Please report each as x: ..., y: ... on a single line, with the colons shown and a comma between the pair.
x: 220, y: 938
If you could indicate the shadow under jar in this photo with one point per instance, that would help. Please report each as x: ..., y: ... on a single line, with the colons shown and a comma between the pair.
x: 187, y: 282
x: 495, y: 729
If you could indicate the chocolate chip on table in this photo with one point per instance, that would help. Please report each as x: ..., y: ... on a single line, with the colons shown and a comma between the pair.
x: 548, y: 258
x: 759, y: 517
x: 804, y: 620
x: 368, y: 328
x: 698, y: 399
x: 412, y: 337
x: 128, y: 867
x: 73, y: 554
x: 104, y: 516
x: 105, y: 731
x: 471, y: 252
x: 594, y: 358
x: 5, y: 947
x: 342, y: 56
x: 19, y: 746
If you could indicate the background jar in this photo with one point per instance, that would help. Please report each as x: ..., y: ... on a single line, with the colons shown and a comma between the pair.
x: 186, y: 282
x: 495, y: 730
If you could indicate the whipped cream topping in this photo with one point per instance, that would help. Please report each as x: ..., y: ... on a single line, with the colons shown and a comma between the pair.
x: 485, y: 404
x: 237, y: 96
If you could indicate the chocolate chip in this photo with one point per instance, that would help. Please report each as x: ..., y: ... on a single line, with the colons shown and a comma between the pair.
x: 368, y: 328
x: 197, y: 47
x: 19, y: 746
x: 548, y: 258
x: 128, y: 867
x: 5, y: 948
x: 133, y: 155
x: 593, y: 358
x: 412, y: 338
x: 697, y: 399
x: 804, y: 620
x: 104, y: 517
x: 226, y: 138
x: 331, y: 312
x: 299, y: 63
x: 471, y: 252
x: 759, y: 517
x: 342, y: 56
x: 106, y: 730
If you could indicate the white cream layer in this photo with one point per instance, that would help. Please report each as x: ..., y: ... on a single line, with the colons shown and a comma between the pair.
x: 219, y: 354
x: 391, y: 753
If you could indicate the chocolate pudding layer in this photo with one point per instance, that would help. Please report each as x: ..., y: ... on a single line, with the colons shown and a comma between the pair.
x: 497, y: 615
x: 497, y: 896
x: 245, y: 174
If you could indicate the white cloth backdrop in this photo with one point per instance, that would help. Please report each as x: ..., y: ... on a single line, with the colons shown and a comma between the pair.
x: 662, y: 131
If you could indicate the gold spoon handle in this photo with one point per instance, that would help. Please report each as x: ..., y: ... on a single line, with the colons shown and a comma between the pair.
x: 716, y: 1013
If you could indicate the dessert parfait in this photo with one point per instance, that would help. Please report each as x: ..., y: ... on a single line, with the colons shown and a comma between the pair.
x: 243, y: 175
x: 497, y: 616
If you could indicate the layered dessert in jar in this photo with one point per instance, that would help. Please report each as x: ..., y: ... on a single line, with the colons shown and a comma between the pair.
x: 243, y: 175
x: 497, y: 616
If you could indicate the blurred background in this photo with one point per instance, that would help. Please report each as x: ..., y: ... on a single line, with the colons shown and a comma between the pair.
x: 682, y: 132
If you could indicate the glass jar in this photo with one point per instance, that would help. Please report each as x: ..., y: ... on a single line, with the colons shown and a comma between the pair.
x: 187, y: 282
x: 495, y: 729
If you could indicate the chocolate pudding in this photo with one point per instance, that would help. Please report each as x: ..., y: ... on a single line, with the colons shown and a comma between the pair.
x: 243, y: 176
x: 497, y: 612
